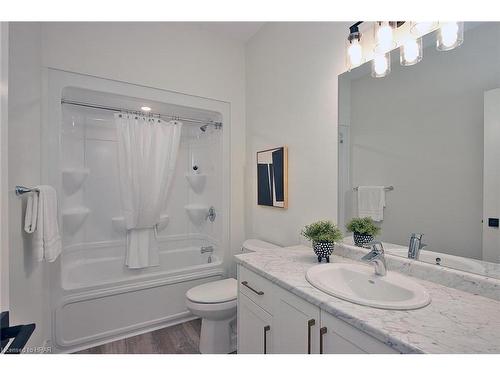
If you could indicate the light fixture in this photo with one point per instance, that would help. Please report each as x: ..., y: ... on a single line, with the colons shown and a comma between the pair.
x: 410, y: 51
x: 384, y: 36
x: 450, y: 35
x: 145, y: 108
x: 421, y: 28
x: 381, y: 64
x: 354, y: 50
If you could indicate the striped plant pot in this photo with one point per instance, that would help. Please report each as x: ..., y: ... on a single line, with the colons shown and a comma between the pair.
x: 323, y: 250
x: 361, y: 240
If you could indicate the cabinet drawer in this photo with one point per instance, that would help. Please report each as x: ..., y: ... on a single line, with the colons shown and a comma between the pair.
x: 255, y: 287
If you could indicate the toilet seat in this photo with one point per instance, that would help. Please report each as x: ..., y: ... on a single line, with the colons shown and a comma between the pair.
x: 216, y: 292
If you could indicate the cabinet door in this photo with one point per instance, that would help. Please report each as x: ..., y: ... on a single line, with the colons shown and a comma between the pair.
x: 338, y: 337
x: 296, y: 324
x: 255, y: 333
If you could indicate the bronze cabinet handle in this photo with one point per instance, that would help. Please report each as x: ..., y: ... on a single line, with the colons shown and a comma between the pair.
x: 322, y: 331
x: 266, y: 328
x: 259, y: 292
x: 310, y: 323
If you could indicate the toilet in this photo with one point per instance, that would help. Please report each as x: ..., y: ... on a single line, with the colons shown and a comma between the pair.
x: 215, y: 302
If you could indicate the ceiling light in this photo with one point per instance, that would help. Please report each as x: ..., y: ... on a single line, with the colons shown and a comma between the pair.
x: 145, y: 109
x: 381, y: 65
x: 354, y: 50
x: 450, y: 35
x: 384, y: 36
x: 410, y: 51
x: 421, y: 28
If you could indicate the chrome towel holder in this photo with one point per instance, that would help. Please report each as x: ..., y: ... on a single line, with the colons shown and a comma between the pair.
x: 20, y: 190
x: 386, y: 188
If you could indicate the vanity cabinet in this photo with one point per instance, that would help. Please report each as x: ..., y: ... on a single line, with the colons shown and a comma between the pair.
x: 255, y: 336
x: 284, y: 323
x: 296, y: 324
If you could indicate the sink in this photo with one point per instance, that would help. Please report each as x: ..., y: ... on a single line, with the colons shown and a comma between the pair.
x: 359, y: 284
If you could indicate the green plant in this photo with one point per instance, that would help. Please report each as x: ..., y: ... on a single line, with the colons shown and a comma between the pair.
x: 322, y: 231
x: 363, y: 225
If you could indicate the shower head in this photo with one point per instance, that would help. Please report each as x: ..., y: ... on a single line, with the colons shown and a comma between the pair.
x: 203, y: 128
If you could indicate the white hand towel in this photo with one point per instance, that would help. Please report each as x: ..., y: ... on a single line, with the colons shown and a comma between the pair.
x: 371, y: 202
x: 31, y: 213
x: 47, y: 241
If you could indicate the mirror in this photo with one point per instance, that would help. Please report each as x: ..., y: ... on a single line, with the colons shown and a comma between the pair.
x: 272, y: 178
x: 430, y: 131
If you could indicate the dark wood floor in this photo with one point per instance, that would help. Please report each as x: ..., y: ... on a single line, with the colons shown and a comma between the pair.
x: 180, y: 339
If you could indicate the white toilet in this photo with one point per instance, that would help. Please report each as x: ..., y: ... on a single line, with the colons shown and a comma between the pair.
x: 215, y: 303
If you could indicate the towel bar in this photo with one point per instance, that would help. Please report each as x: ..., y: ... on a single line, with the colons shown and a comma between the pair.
x: 386, y: 188
x: 20, y: 190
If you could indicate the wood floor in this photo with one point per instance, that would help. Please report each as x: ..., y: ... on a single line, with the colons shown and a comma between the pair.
x: 180, y: 339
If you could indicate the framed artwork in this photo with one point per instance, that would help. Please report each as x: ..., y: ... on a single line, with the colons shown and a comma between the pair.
x: 272, y: 177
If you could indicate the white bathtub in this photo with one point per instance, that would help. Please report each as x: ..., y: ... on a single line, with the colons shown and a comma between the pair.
x: 101, y: 300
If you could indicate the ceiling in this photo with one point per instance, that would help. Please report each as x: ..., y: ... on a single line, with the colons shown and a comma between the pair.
x: 240, y: 31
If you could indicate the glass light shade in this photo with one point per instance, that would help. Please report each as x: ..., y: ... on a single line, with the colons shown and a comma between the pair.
x: 354, y: 54
x: 450, y: 35
x: 410, y: 51
x: 381, y: 64
x: 384, y: 37
x: 421, y: 28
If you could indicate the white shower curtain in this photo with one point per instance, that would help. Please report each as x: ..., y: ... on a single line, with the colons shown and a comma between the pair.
x: 147, y: 151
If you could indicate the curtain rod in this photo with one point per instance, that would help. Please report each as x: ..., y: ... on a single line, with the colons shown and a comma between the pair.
x: 217, y: 124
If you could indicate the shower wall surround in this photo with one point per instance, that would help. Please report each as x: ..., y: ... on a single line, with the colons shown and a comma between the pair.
x: 92, y: 279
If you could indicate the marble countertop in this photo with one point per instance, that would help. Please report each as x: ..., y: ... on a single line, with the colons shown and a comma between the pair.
x: 454, y: 322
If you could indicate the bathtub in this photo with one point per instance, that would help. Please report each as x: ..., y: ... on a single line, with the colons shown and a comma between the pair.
x: 101, y: 300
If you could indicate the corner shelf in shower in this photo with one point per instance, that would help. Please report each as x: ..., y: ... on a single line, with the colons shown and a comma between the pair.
x: 73, y: 219
x: 197, y: 213
x: 73, y: 179
x: 119, y: 226
x: 197, y: 181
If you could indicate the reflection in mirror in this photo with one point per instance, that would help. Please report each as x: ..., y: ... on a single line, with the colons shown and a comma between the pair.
x: 432, y: 131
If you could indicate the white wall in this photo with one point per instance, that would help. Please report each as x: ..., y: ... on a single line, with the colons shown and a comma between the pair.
x: 27, y: 282
x: 421, y: 130
x: 180, y: 57
x: 291, y: 97
x: 4, y: 186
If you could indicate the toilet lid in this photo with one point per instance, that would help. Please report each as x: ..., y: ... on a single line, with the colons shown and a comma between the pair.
x: 214, y: 292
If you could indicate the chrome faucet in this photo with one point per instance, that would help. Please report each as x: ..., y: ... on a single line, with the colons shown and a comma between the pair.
x: 376, y: 256
x: 415, y: 245
x: 207, y: 249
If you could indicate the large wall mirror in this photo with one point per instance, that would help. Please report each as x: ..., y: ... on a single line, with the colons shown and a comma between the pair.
x: 431, y: 132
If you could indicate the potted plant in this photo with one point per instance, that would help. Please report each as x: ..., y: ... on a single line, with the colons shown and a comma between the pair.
x: 363, y: 229
x: 323, y: 235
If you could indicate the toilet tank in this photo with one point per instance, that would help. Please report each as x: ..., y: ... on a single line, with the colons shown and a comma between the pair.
x: 253, y: 245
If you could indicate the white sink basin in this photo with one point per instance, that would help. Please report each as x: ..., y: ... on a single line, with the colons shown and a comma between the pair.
x: 359, y: 284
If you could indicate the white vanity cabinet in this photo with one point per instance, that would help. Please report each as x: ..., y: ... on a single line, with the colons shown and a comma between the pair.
x: 284, y: 323
x: 296, y: 324
x: 256, y: 330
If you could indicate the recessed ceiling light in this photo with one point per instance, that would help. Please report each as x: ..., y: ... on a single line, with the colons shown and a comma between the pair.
x: 146, y: 109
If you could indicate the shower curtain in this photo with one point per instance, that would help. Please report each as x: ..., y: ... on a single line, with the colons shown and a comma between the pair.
x: 147, y: 151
